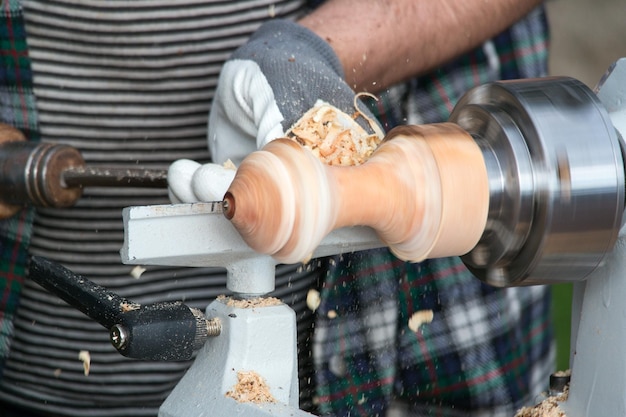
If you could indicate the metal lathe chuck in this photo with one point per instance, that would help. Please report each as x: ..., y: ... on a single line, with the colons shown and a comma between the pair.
x: 556, y: 172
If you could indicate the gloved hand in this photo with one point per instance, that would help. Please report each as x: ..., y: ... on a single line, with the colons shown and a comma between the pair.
x: 268, y: 84
x: 190, y: 182
x: 263, y: 89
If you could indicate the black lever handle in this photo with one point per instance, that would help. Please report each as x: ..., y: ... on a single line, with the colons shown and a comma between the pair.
x: 160, y: 331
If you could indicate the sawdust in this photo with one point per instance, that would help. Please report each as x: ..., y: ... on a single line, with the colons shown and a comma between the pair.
x: 249, y: 302
x: 547, y: 408
x: 251, y: 388
x: 566, y: 373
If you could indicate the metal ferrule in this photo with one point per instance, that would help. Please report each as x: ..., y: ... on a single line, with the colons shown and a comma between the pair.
x: 205, y: 328
x: 31, y: 173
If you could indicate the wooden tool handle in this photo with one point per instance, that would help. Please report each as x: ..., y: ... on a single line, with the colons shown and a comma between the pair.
x: 425, y: 191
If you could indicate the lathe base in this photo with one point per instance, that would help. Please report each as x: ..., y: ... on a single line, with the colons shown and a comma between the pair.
x: 259, y: 339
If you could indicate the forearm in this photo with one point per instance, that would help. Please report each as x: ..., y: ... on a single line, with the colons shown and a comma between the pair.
x: 382, y: 42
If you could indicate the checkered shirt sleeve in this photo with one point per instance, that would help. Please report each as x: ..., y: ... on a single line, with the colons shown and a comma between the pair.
x: 17, y: 108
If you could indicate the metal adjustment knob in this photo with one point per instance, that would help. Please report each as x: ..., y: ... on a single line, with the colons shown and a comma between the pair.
x: 167, y: 331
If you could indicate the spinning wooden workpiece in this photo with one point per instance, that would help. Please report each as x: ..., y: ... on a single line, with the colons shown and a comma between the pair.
x: 425, y: 191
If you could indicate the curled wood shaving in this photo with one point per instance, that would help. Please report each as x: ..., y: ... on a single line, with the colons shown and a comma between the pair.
x: 420, y: 317
x: 85, y: 357
x: 334, y: 136
x: 251, y: 388
x: 373, y: 124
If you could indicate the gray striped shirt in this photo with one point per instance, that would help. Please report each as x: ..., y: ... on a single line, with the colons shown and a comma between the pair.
x: 129, y: 83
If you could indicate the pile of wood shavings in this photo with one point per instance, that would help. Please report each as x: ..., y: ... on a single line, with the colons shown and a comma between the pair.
x: 335, y: 137
x: 251, y: 388
x: 547, y: 408
x: 249, y: 302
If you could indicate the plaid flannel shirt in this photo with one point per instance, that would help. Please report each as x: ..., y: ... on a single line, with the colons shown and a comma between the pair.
x: 487, y: 351
x: 17, y: 108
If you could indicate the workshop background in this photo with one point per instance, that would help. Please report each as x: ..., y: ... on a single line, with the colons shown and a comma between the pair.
x: 587, y: 37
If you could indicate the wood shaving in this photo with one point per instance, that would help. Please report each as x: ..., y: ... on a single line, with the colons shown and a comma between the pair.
x: 137, y: 271
x: 334, y: 136
x: 547, y: 408
x: 373, y: 124
x: 250, y: 302
x: 420, y: 317
x: 85, y: 357
x: 125, y: 307
x: 229, y: 165
x: 251, y: 388
x: 313, y: 299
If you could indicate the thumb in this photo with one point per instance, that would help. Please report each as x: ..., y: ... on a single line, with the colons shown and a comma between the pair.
x: 244, y: 116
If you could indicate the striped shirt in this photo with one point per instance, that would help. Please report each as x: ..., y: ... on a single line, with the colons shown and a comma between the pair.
x: 129, y: 83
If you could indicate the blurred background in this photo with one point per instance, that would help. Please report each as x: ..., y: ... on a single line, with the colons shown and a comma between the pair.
x: 587, y: 37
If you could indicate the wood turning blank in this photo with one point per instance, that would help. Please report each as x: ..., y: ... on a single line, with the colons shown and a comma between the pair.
x: 424, y: 190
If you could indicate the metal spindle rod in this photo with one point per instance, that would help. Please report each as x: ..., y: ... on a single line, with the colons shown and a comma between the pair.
x: 86, y: 176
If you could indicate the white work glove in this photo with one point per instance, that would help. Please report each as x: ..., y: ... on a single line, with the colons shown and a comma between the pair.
x: 268, y: 84
x: 263, y: 89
